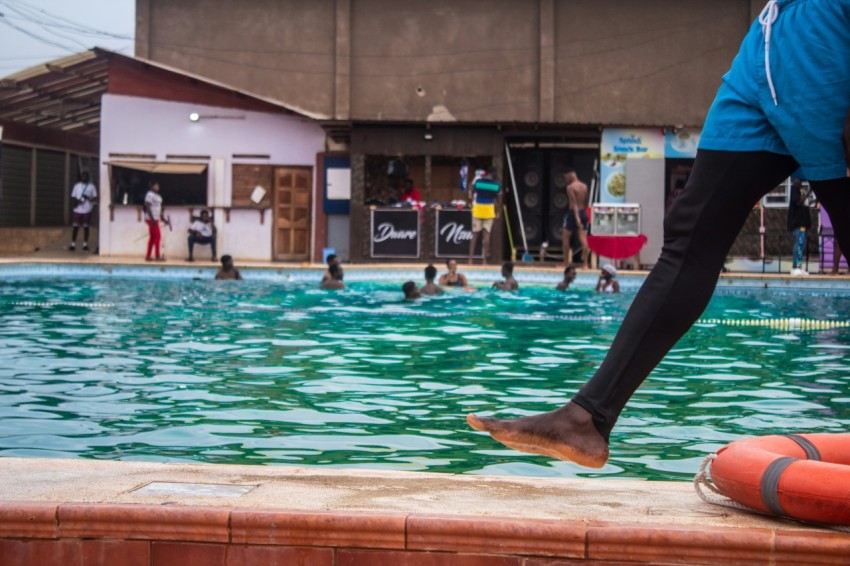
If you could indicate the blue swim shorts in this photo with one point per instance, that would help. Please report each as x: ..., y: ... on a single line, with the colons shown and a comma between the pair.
x: 810, y: 68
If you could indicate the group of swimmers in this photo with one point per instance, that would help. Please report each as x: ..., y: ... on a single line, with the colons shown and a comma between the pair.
x: 333, y: 279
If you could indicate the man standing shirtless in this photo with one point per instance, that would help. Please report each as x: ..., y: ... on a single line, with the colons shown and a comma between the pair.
x: 576, y: 218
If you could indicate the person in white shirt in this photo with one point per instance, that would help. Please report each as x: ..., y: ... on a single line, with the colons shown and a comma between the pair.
x: 202, y: 231
x: 84, y: 196
x: 153, y: 214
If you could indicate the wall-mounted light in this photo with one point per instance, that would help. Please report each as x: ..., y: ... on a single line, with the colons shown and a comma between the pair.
x: 195, y: 117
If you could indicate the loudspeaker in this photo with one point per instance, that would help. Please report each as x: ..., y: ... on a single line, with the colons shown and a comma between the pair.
x: 528, y: 169
x: 559, y: 162
x: 556, y: 229
x: 533, y: 224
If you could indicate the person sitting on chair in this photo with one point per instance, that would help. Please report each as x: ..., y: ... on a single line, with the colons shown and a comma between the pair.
x: 202, y: 231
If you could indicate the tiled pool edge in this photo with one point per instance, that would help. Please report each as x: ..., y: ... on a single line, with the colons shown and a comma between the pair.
x: 48, y: 533
x: 526, y: 274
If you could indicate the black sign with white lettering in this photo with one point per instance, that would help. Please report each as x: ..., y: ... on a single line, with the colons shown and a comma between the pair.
x: 453, y: 234
x: 395, y: 233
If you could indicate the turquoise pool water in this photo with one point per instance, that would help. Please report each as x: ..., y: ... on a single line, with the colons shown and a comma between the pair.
x: 278, y: 372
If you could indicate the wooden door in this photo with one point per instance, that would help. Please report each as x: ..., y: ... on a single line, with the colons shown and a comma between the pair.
x: 292, y: 211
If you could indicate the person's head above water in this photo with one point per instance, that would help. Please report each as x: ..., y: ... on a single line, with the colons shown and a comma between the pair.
x: 430, y: 272
x: 335, y: 270
x: 569, y: 273
x: 507, y: 268
x: 411, y: 291
x: 332, y: 259
x: 609, y: 271
x: 227, y: 261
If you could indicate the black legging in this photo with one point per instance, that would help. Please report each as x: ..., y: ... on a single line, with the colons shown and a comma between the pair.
x: 698, y: 232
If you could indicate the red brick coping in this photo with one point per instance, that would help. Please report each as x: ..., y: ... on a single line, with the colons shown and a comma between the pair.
x: 76, y: 534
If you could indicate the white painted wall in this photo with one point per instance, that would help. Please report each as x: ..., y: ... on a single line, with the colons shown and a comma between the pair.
x: 132, y: 125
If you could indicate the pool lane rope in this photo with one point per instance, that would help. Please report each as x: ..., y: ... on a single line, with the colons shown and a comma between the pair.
x: 63, y: 304
x: 776, y: 323
x: 779, y: 323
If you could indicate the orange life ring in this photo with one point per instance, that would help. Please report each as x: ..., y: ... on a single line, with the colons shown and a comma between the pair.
x: 804, y: 476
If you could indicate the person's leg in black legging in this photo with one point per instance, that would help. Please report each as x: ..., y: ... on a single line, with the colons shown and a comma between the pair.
x: 701, y: 227
x: 834, y: 196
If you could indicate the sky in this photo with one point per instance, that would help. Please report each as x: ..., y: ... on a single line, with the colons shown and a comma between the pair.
x: 37, y: 31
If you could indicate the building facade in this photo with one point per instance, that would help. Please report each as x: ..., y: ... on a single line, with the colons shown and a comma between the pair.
x: 533, y: 84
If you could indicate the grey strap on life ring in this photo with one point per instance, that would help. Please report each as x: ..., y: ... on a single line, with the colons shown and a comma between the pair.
x: 812, y: 452
x: 773, y: 473
x: 770, y: 484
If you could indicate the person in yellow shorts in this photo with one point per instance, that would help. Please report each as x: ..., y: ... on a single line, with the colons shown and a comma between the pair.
x: 485, y: 196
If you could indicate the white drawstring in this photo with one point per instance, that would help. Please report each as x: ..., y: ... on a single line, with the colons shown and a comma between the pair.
x: 766, y: 19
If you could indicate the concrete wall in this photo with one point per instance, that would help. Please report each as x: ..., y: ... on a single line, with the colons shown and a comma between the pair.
x: 656, y: 62
x: 607, y: 62
x: 134, y: 125
x: 278, y: 48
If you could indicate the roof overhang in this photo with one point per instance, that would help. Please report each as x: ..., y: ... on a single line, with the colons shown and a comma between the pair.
x: 162, y: 167
x: 65, y: 94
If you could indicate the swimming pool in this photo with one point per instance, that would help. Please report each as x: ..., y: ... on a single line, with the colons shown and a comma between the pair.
x: 271, y: 370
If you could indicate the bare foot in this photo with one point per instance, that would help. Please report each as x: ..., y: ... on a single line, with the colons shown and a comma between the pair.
x: 566, y: 434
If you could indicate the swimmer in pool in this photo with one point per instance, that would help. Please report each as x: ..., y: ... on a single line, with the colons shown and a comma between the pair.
x: 430, y: 288
x: 411, y: 291
x: 509, y: 283
x: 569, y: 277
x: 607, y: 282
x: 453, y: 278
x: 774, y: 115
x: 331, y: 260
x: 227, y: 270
x: 335, y: 281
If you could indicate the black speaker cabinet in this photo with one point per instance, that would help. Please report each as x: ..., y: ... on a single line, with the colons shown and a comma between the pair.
x: 528, y: 170
x: 559, y: 162
x: 534, y: 230
x: 556, y: 229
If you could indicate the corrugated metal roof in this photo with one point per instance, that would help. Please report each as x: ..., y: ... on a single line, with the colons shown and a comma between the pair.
x: 65, y: 94
x: 62, y: 95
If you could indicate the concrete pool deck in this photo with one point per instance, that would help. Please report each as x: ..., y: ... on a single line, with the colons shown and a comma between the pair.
x: 133, y: 513
x: 53, y: 511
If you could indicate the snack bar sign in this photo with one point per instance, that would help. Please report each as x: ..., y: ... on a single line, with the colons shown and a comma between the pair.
x: 617, y: 146
x: 395, y: 233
